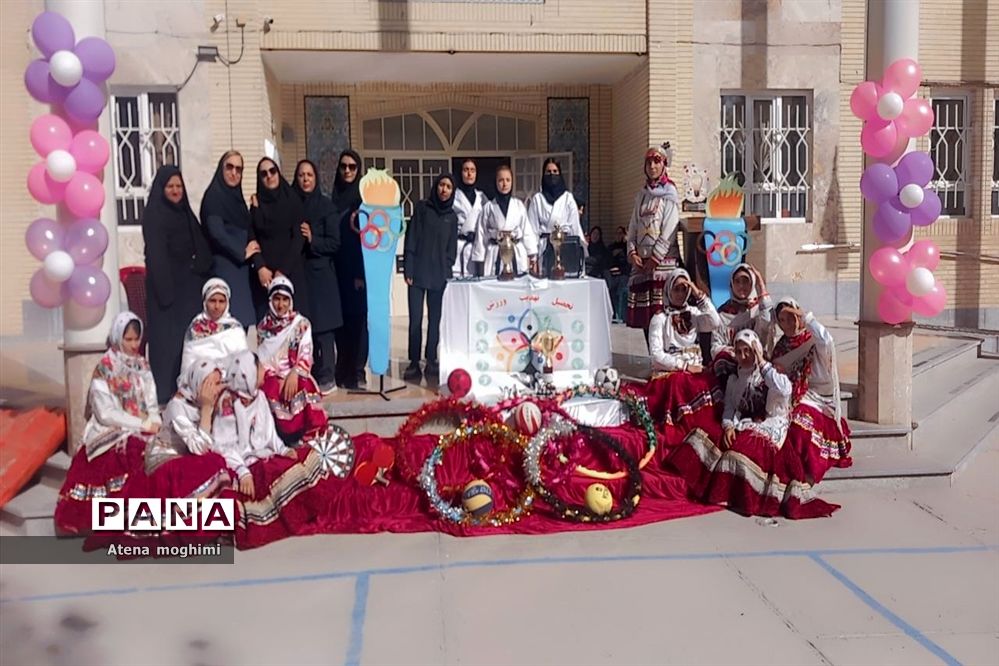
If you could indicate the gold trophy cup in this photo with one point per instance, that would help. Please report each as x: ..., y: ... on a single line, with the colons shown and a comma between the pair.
x: 557, y: 238
x: 506, y: 253
x: 545, y: 343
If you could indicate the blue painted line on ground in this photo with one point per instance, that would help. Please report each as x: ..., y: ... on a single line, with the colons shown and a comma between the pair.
x: 356, y: 643
x: 583, y: 559
x: 909, y: 630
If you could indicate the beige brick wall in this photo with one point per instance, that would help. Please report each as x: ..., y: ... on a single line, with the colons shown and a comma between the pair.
x: 630, y: 137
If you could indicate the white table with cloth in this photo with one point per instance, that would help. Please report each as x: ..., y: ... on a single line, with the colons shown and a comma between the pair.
x: 487, y: 328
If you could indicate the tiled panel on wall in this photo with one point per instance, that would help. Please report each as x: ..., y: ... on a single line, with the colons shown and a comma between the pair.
x: 327, y: 133
x: 569, y: 131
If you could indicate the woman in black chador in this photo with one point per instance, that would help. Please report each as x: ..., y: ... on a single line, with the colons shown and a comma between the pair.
x: 178, y: 261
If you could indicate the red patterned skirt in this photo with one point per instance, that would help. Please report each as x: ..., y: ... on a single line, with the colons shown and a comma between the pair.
x: 303, y: 414
x: 645, y: 299
x: 816, y: 440
x: 681, y: 401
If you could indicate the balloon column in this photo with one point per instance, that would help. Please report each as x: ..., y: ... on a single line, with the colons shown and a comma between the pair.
x: 899, y: 189
x: 70, y: 76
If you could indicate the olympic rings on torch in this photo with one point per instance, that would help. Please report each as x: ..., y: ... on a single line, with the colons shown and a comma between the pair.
x: 377, y: 236
x: 725, y: 249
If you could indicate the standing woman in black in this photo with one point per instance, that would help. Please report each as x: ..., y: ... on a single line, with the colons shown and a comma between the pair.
x: 279, y: 227
x: 352, y: 337
x: 320, y: 272
x: 431, y: 247
x: 178, y: 261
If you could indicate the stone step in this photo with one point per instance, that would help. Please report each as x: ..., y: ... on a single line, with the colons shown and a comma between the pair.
x: 30, y: 513
x: 940, y: 386
x: 53, y: 472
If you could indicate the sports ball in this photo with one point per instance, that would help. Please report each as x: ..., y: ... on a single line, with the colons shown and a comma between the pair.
x: 527, y: 418
x: 599, y: 499
x: 459, y: 382
x: 477, y: 498
x: 607, y: 378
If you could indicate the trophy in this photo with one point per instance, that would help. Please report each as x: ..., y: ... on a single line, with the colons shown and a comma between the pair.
x: 545, y: 343
x: 557, y: 238
x: 506, y: 254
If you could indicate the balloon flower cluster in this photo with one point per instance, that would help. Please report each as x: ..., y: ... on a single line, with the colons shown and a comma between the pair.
x: 71, y: 77
x: 899, y: 188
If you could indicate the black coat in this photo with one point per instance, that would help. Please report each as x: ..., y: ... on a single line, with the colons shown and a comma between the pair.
x: 178, y: 261
x: 599, y: 260
x: 431, y: 243
x: 349, y: 261
x: 226, y: 222
x: 320, y: 267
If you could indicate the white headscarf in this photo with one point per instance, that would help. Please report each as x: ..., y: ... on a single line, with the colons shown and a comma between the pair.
x: 189, y: 387
x: 255, y: 427
x: 281, y: 285
x: 674, y: 275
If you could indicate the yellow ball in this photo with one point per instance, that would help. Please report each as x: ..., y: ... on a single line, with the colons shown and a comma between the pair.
x: 477, y: 498
x: 599, y: 499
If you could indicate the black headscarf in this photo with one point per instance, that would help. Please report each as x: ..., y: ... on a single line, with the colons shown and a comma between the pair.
x: 347, y: 196
x: 316, y: 205
x: 282, y: 191
x: 225, y: 201
x: 177, y: 217
x: 552, y: 185
x: 467, y: 190
x: 434, y: 201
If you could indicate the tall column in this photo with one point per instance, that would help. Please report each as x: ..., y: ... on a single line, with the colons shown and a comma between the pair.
x: 82, y: 347
x: 885, y: 352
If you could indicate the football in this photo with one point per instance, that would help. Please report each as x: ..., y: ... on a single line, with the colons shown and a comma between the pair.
x: 607, y: 378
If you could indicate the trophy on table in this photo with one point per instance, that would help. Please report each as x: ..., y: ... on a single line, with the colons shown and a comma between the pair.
x: 557, y: 239
x: 546, y: 343
x: 507, y: 248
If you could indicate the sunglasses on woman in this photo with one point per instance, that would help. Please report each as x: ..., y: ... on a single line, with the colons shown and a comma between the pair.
x: 268, y: 172
x: 348, y: 166
x: 234, y: 167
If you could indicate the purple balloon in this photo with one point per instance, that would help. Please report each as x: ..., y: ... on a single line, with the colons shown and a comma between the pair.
x: 40, y: 85
x: 927, y: 212
x: 89, y: 286
x: 891, y: 223
x: 46, y: 293
x: 44, y: 236
x: 97, y: 57
x: 52, y: 32
x: 86, y: 241
x: 914, y: 168
x: 878, y: 184
x: 86, y: 101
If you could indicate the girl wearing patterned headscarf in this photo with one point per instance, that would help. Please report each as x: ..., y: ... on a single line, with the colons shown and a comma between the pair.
x: 807, y: 353
x: 652, y: 246
x: 749, y: 307
x: 284, y: 344
x: 122, y: 416
x: 214, y: 334
x: 746, y: 464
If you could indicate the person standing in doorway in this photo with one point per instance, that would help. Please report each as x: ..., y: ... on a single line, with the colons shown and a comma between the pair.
x: 468, y: 206
x: 506, y: 213
x: 554, y: 207
x: 352, y: 337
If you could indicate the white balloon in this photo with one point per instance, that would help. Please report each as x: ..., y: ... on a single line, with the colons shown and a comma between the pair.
x: 890, y: 106
x: 58, y: 266
x: 911, y: 196
x: 920, y: 281
x: 61, y: 165
x: 65, y: 68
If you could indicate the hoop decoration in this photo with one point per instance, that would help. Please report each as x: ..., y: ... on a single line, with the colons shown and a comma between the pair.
x: 502, y: 435
x: 727, y: 247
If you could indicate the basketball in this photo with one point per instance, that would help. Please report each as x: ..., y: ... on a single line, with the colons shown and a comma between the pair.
x: 459, y: 383
x: 477, y: 498
x: 527, y: 418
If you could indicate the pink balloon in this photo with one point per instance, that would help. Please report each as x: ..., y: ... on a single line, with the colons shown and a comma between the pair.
x: 86, y: 241
x: 46, y: 293
x: 923, y: 253
x: 864, y: 100
x: 85, y: 195
x: 43, y: 188
x: 878, y: 140
x: 91, y: 151
x: 916, y: 119
x: 903, y: 76
x: 933, y: 303
x: 89, y: 286
x: 50, y: 133
x: 888, y: 267
x: 890, y: 309
x: 901, y: 145
x: 79, y: 318
x: 44, y: 236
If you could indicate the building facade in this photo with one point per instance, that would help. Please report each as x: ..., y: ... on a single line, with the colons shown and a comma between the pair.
x: 756, y: 88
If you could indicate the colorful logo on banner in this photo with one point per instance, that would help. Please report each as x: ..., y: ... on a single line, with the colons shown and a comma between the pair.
x: 380, y: 225
x: 724, y: 240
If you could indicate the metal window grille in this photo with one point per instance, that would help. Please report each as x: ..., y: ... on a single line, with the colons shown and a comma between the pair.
x: 766, y: 141
x: 995, y: 159
x: 949, y: 151
x: 146, y: 130
x: 449, y: 130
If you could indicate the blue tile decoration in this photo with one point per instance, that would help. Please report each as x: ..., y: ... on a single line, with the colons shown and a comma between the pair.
x: 327, y: 133
x: 569, y: 131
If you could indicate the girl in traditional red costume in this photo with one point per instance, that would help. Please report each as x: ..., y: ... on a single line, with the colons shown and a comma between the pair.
x: 749, y: 307
x: 652, y: 246
x: 807, y: 354
x: 284, y: 345
x: 122, y: 416
x: 214, y: 334
x: 746, y: 464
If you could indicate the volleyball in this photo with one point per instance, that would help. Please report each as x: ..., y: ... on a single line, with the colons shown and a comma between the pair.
x: 607, y: 379
x: 599, y: 499
x: 477, y: 498
x: 527, y: 418
x: 459, y: 383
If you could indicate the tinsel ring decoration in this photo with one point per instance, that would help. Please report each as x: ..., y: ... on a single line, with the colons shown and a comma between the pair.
x: 580, y: 513
x: 639, y: 412
x: 502, y: 435
x: 450, y: 412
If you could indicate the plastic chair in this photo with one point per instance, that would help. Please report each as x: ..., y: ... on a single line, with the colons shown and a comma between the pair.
x: 134, y: 280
